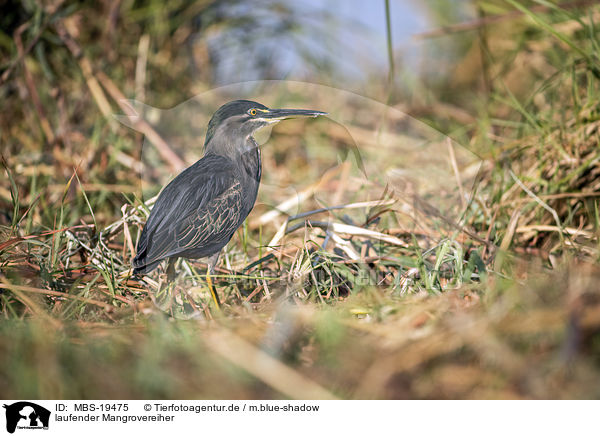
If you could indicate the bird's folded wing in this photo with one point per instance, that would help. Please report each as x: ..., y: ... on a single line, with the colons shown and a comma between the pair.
x: 201, y: 202
x: 211, y: 224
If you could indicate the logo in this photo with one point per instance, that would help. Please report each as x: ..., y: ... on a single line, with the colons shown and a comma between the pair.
x: 26, y: 415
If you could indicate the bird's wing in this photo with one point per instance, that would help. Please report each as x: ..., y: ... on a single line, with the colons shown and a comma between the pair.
x: 215, y: 222
x: 200, y: 206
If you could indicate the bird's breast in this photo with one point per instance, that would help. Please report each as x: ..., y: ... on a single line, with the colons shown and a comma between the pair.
x: 251, y: 163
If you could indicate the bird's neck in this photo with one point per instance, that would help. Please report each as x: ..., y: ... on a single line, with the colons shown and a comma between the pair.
x: 230, y: 145
x: 246, y: 156
x: 250, y: 160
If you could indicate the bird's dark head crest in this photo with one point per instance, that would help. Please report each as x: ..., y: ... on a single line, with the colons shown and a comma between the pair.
x: 228, y: 110
x: 231, y: 127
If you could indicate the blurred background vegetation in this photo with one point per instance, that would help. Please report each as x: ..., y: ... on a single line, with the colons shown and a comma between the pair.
x: 506, y: 306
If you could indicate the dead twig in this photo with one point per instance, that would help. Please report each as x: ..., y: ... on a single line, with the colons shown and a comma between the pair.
x: 141, y: 125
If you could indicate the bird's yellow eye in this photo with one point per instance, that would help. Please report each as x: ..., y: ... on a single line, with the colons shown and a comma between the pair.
x: 252, y: 112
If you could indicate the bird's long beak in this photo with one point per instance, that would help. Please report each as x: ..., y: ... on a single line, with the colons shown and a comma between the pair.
x: 282, y: 114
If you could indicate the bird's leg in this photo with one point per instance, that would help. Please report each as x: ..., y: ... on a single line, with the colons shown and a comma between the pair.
x: 212, y: 261
x: 171, y: 269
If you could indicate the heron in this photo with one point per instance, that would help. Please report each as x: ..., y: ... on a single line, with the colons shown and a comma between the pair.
x: 198, y: 212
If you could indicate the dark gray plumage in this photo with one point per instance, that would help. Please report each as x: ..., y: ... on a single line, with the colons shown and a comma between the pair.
x: 198, y: 212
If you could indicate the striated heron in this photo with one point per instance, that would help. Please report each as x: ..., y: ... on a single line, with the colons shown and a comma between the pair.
x: 198, y: 212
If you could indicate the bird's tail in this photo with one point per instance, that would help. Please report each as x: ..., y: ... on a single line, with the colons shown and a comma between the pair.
x: 140, y: 266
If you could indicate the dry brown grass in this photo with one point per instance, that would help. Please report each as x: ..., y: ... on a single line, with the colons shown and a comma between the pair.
x: 344, y: 287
